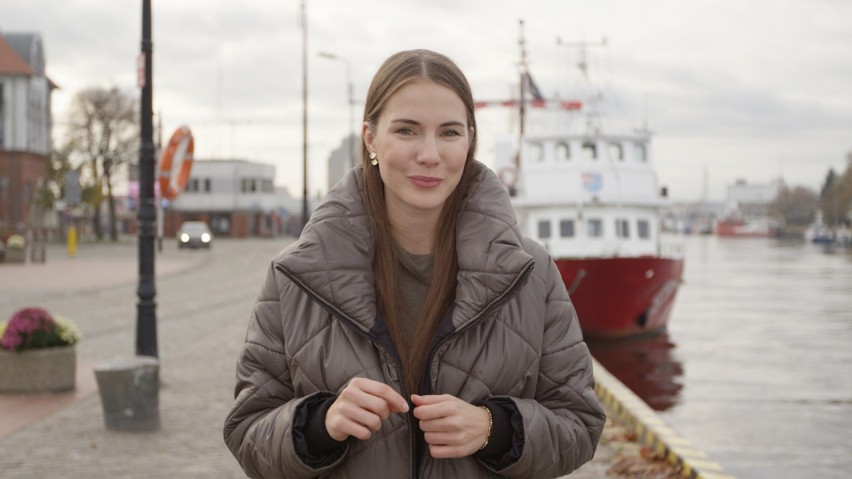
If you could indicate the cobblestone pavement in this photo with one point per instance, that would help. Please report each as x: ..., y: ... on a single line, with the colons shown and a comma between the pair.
x: 203, y: 303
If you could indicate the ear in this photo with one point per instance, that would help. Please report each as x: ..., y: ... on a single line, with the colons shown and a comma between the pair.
x: 367, y: 135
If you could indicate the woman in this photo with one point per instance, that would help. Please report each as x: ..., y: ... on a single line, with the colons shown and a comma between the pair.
x: 412, y: 330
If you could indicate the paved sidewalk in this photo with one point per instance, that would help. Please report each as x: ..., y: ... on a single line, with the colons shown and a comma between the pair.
x: 203, y: 303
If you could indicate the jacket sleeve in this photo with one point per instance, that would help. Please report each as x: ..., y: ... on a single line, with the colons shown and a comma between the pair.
x: 259, y: 429
x: 561, y: 425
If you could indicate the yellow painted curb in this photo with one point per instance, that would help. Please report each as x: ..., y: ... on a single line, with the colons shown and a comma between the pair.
x: 650, y: 430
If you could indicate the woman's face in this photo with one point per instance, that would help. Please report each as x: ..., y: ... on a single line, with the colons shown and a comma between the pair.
x: 421, y: 141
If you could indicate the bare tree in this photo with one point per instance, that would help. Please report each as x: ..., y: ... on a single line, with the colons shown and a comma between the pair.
x: 795, y: 206
x: 103, y: 127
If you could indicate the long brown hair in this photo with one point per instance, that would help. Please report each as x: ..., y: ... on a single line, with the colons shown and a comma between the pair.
x: 398, y: 70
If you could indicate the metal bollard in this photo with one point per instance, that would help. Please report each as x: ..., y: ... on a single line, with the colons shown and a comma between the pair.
x: 129, y: 389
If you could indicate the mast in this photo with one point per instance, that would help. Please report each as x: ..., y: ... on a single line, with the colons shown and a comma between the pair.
x: 524, y: 73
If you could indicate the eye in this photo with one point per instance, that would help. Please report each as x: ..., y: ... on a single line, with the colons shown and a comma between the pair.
x: 405, y: 131
x: 451, y: 133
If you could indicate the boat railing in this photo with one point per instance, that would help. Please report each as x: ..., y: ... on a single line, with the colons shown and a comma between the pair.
x: 671, y: 249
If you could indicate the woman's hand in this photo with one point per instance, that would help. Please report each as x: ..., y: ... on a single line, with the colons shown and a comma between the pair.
x: 360, y: 409
x: 452, y: 427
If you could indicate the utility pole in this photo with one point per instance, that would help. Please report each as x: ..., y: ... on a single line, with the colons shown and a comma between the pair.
x: 146, y: 308
x: 350, y: 138
x: 304, y: 116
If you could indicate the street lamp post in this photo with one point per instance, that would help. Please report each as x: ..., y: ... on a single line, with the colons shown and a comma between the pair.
x: 304, y: 116
x: 351, y: 139
x: 146, y: 308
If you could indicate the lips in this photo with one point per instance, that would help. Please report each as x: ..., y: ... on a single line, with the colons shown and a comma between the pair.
x: 426, y: 181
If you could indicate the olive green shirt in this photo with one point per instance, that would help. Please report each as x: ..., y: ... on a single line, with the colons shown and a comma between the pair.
x: 415, y: 278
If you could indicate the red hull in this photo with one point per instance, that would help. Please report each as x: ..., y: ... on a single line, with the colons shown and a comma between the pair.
x: 742, y: 229
x: 620, y: 297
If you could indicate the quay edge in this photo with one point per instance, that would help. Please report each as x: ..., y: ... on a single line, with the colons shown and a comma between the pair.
x: 650, y: 430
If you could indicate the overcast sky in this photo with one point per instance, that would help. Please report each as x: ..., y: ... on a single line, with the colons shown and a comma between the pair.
x: 739, y: 89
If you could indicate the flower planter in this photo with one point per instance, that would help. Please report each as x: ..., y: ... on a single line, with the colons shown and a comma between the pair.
x: 38, y: 370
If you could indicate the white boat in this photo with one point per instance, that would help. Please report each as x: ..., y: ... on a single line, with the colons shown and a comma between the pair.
x: 592, y: 198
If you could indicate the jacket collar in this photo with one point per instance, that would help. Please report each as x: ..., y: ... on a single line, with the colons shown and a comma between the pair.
x: 333, y: 256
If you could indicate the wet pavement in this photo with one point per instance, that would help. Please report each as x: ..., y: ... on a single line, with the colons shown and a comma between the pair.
x: 204, y: 299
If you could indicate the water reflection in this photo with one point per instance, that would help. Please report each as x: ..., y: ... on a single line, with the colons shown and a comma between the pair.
x: 647, y: 365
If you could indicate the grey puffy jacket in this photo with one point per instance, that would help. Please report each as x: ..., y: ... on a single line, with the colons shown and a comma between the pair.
x: 514, y: 336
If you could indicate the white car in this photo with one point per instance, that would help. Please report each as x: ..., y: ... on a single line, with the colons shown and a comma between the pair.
x: 194, y: 234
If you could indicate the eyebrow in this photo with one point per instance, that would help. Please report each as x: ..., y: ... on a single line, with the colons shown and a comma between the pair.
x: 416, y: 123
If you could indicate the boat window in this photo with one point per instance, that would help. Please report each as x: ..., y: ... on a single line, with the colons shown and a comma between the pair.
x: 643, y: 229
x: 595, y: 227
x: 616, y: 152
x: 544, y: 229
x: 590, y: 150
x: 641, y: 153
x: 622, y: 228
x: 535, y: 152
x: 563, y: 151
x: 566, y: 228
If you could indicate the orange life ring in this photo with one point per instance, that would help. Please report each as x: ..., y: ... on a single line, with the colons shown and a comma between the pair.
x: 179, y: 150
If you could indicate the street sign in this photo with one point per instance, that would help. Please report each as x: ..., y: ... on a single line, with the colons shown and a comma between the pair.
x: 72, y: 187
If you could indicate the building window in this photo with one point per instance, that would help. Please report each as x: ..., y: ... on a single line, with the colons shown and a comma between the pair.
x: 641, y: 152
x: 566, y: 228
x: 616, y: 152
x: 595, y: 227
x: 248, y: 185
x: 622, y: 228
x: 544, y: 229
x: 191, y: 185
x: 563, y: 152
x: 590, y: 150
x: 643, y: 229
x: 535, y: 152
x: 207, y: 185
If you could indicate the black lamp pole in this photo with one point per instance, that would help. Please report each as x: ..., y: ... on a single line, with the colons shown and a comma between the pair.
x: 305, y: 214
x: 146, y: 308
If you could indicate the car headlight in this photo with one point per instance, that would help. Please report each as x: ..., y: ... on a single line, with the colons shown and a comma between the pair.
x: 205, y: 237
x: 184, y: 237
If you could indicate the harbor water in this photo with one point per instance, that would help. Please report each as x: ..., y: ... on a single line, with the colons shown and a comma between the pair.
x: 756, y: 366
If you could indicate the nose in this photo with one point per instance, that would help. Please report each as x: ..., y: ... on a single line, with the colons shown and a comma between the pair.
x: 428, y: 155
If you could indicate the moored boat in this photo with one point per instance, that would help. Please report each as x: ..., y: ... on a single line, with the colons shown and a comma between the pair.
x: 590, y: 196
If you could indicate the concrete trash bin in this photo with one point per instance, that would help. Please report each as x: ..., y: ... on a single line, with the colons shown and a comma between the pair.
x: 129, y: 389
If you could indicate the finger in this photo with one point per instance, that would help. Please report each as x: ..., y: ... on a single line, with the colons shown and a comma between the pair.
x: 394, y: 400
x: 365, y: 400
x: 442, y: 424
x: 346, y: 427
x: 444, y: 438
x: 435, y: 411
x: 430, y: 399
x: 447, y: 452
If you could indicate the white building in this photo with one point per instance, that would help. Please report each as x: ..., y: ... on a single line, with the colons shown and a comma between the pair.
x: 751, y: 201
x: 342, y: 159
x: 236, y: 198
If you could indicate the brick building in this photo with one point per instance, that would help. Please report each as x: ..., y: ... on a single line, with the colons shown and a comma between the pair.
x: 25, y: 127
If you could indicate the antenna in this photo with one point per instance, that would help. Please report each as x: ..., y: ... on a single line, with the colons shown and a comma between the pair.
x: 592, y: 120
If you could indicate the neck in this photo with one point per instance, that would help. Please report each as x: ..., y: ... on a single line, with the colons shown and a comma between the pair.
x: 415, y: 232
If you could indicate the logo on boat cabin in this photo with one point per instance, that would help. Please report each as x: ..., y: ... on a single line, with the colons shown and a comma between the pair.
x: 592, y: 182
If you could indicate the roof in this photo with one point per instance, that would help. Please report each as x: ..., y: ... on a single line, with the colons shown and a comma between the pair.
x: 11, y: 62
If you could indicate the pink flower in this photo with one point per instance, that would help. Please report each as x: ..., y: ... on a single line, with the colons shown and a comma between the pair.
x: 29, y: 327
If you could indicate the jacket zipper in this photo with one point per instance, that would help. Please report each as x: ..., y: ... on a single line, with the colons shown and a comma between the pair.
x: 351, y: 324
x: 507, y: 296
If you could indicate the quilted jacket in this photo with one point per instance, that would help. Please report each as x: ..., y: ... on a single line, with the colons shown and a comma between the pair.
x: 512, y: 335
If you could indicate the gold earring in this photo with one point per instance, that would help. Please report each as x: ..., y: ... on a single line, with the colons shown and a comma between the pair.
x: 373, y: 157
